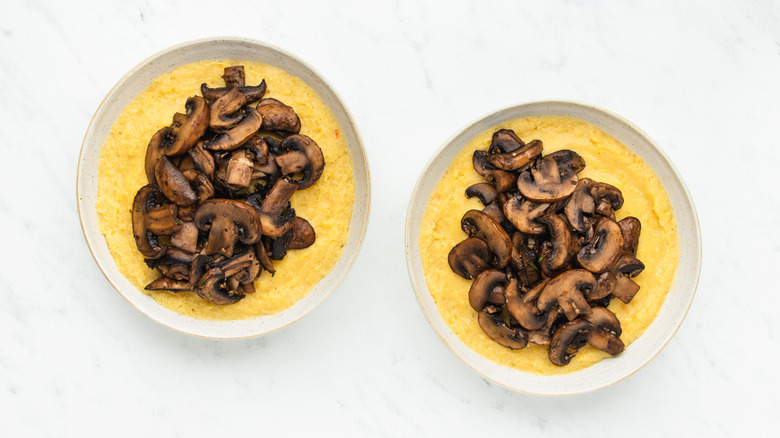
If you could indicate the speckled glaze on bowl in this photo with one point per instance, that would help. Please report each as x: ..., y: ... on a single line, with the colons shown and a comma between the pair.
x: 136, y: 81
x: 671, y: 314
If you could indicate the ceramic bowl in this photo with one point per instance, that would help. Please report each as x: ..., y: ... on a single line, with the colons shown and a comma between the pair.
x: 137, y: 80
x: 671, y: 314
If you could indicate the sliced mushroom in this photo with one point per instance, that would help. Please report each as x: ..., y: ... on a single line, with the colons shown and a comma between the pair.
x: 239, y: 134
x: 605, y: 284
x: 147, y: 198
x: 607, y: 198
x: 505, y: 140
x: 496, y: 329
x: 568, y: 160
x: 166, y: 283
x: 483, y: 285
x: 524, y: 260
x: 252, y: 93
x: 560, y: 239
x: 630, y: 227
x: 185, y: 131
x: 239, y: 169
x: 234, y: 76
x: 154, y: 151
x: 477, y: 224
x: 186, y: 238
x: 568, y: 340
x: 202, y: 159
x: 469, y: 258
x: 485, y: 192
x: 580, y: 206
x: 568, y: 290
x: 606, y: 331
x: 524, y: 214
x: 278, y: 117
x: 228, y: 221
x: 173, y: 183
x: 162, y: 220
x: 225, y: 110
x: 503, y: 180
x: 604, y: 248
x: 524, y: 312
x: 546, y: 181
x: 211, y: 287
x: 303, y: 235
x: 553, y: 320
x: 516, y: 159
x: 275, y: 215
x: 625, y: 288
x: 312, y: 170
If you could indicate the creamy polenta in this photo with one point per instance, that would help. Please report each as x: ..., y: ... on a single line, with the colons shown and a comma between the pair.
x: 327, y: 205
x: 607, y: 161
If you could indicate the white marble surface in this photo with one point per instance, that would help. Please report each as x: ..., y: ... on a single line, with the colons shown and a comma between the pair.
x: 702, y: 78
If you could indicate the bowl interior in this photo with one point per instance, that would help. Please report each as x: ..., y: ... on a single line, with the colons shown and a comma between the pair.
x: 678, y: 299
x: 138, y: 80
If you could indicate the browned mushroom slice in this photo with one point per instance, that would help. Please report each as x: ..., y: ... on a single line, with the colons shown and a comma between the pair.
x: 481, y: 165
x: 579, y: 206
x: 154, y: 151
x: 553, y: 320
x: 524, y: 260
x: 604, y: 248
x: 606, y: 331
x: 244, y: 267
x: 477, y: 224
x: 524, y: 214
x: 275, y: 214
x: 607, y: 198
x: 630, y: 227
x: 186, y: 238
x: 546, y: 182
x: 252, y: 93
x: 503, y: 180
x: 605, y: 284
x: 212, y: 288
x: 163, y: 219
x: 524, y: 312
x: 303, y: 235
x: 485, y: 192
x: 516, y: 159
x: 234, y: 76
x: 483, y: 285
x: 228, y: 221
x: 165, y: 283
x: 173, y: 183
x: 568, y: 290
x: 186, y: 131
x: 505, y: 140
x: 239, y: 134
x: 469, y: 258
x: 239, y: 169
x: 263, y: 257
x: 568, y: 340
x: 202, y: 159
x: 200, y: 184
x: 560, y: 238
x: 496, y: 329
x: 278, y: 117
x: 568, y: 160
x: 312, y: 170
x: 147, y: 198
x: 225, y: 110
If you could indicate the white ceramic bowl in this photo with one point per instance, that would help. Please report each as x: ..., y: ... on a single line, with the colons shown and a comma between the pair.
x: 137, y: 80
x: 678, y: 300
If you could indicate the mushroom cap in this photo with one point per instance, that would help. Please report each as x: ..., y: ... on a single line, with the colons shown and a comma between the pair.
x: 278, y: 117
x: 606, y: 331
x: 560, y: 238
x: 524, y: 260
x: 483, y: 285
x: 485, y: 192
x: 518, y: 158
x: 505, y: 140
x: 187, y: 133
x: 145, y: 199
x: 154, y: 151
x: 568, y: 160
x: 631, y: 227
x: 239, y: 134
x: 607, y: 198
x: 241, y: 214
x: 546, y: 181
x: 303, y: 235
x: 225, y: 110
x: 568, y: 290
x: 578, y: 205
x: 498, y: 330
x: 567, y: 340
x: 211, y: 287
x: 469, y: 258
x: 604, y: 248
x: 477, y: 224
x: 312, y: 171
x: 173, y: 183
x: 523, y: 214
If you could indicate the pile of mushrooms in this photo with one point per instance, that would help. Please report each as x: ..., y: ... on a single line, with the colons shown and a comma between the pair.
x: 216, y: 211
x: 546, y: 252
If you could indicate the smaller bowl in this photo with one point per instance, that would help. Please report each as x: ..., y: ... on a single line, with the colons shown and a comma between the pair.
x: 672, y: 312
x: 137, y: 80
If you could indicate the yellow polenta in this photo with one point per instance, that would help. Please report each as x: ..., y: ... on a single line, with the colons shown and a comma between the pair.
x: 327, y: 205
x: 607, y: 161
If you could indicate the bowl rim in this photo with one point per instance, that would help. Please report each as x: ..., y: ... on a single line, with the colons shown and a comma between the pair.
x: 418, y: 276
x: 226, y: 327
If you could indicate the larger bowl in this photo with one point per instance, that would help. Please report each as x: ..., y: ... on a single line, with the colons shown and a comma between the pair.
x: 678, y: 300
x: 137, y: 80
